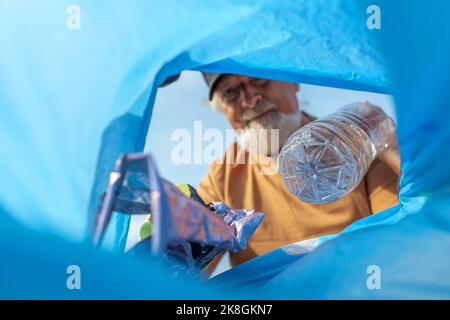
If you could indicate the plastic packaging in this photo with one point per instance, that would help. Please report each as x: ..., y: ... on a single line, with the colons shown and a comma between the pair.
x: 326, y: 159
x: 185, y: 230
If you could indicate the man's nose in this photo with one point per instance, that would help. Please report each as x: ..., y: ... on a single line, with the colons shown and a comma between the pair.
x: 250, y: 98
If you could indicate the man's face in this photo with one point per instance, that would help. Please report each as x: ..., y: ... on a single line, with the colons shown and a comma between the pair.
x: 252, y: 104
x: 245, y: 99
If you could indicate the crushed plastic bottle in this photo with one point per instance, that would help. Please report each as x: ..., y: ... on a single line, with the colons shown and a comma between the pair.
x: 326, y: 159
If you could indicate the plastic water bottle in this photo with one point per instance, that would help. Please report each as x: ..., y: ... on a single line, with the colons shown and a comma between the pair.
x: 326, y: 159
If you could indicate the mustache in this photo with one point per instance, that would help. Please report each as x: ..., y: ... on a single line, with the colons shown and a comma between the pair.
x: 262, y: 107
x: 268, y: 142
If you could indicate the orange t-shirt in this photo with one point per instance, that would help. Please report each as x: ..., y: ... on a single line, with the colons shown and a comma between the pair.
x: 241, y: 183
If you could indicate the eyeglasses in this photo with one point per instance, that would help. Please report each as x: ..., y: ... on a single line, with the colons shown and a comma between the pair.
x: 233, y: 93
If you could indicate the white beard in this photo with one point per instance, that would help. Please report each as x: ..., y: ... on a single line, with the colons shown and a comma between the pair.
x: 266, y: 135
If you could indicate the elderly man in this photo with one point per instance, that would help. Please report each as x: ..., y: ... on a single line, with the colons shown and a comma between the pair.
x: 253, y: 103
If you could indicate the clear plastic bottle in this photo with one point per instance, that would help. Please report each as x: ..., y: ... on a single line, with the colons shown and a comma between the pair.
x: 326, y: 159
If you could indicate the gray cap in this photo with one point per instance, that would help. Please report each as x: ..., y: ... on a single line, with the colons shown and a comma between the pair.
x: 212, y: 79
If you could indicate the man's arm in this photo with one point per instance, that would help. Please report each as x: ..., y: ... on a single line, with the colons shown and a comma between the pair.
x: 391, y: 156
x: 382, y: 186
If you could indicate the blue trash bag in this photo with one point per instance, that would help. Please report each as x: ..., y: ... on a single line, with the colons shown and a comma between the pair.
x: 73, y: 99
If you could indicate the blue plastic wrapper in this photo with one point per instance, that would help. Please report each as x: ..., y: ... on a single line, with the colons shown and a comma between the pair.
x: 184, y: 230
x: 244, y: 222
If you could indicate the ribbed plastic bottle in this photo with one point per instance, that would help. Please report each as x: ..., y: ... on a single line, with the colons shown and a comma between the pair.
x: 326, y: 159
